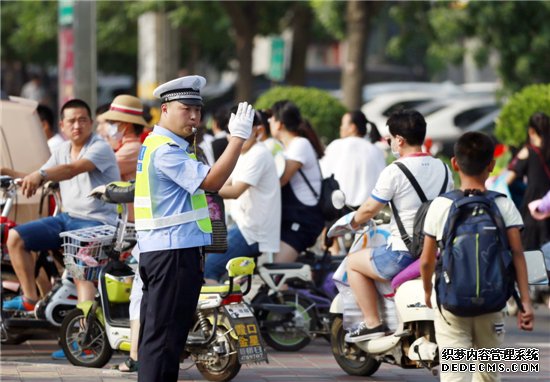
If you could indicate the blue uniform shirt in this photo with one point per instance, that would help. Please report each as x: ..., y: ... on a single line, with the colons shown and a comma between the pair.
x: 174, y: 177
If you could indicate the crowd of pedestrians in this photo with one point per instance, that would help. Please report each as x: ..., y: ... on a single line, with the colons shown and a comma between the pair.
x: 270, y: 164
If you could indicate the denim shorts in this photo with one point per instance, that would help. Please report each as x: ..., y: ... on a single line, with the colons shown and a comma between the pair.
x: 388, y: 263
x: 43, y: 234
x: 214, y: 267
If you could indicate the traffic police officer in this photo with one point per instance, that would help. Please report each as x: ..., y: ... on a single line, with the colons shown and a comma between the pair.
x: 173, y: 223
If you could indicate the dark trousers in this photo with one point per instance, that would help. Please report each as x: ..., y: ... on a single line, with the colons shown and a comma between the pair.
x: 172, y: 280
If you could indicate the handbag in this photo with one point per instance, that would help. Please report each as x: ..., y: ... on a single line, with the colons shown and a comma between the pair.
x: 328, y: 186
x: 216, y: 211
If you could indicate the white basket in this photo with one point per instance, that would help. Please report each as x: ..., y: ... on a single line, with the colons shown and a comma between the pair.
x: 84, y: 251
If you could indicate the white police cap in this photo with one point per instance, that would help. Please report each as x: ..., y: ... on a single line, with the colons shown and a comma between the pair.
x: 184, y: 89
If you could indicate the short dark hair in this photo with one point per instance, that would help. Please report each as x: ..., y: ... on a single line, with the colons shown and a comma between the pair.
x: 409, y: 124
x: 45, y: 113
x: 75, y: 104
x: 474, y: 152
x: 221, y: 116
x: 261, y: 118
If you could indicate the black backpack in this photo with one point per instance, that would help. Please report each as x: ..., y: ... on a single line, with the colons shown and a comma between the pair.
x: 416, y: 244
x: 328, y: 186
x: 474, y: 273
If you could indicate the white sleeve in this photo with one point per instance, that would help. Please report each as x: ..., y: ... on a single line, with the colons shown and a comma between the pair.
x: 298, y: 150
x: 436, y: 217
x: 250, y: 170
x: 509, y: 212
x: 385, y: 185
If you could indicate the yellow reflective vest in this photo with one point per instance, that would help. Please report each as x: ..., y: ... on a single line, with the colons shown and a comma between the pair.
x: 146, y: 217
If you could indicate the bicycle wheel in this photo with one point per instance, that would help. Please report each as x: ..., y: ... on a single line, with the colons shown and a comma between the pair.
x: 94, y: 354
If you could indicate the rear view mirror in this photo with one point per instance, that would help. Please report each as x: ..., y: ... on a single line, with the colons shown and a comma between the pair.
x: 338, y: 199
x: 536, y: 268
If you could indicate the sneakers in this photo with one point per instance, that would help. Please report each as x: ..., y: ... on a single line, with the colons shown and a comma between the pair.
x: 19, y: 303
x: 60, y: 354
x: 362, y: 333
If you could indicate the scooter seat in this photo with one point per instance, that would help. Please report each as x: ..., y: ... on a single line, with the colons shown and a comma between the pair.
x: 409, y: 273
x: 220, y: 288
x: 282, y: 266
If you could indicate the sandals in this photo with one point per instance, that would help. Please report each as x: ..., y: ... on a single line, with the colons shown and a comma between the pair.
x: 128, y: 366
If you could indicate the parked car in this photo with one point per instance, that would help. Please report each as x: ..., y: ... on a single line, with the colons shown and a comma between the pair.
x: 371, y: 91
x: 447, y: 119
x: 379, y: 109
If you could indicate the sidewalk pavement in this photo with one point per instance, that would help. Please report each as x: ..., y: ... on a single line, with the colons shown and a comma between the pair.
x: 314, y: 363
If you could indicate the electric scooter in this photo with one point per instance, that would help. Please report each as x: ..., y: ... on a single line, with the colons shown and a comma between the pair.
x: 15, y: 326
x: 224, y: 334
x: 410, y: 341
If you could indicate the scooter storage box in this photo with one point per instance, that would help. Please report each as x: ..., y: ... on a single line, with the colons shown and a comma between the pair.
x: 118, y: 288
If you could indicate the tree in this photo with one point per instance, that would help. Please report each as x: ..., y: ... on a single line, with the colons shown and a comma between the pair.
x: 410, y: 46
x: 322, y: 110
x: 28, y: 35
x: 301, y: 35
x: 244, y: 20
x: 251, y: 18
x: 517, y: 31
x: 511, y: 125
x: 354, y: 28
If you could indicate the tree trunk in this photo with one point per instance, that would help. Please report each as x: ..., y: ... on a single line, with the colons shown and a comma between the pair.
x: 243, y: 18
x: 357, y: 20
x: 301, y: 28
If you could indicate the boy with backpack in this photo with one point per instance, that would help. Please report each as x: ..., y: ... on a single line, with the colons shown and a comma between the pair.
x: 481, y: 258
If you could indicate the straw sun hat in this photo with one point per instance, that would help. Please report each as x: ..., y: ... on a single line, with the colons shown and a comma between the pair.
x: 125, y: 108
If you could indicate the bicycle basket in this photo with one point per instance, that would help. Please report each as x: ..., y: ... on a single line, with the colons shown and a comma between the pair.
x: 84, y: 251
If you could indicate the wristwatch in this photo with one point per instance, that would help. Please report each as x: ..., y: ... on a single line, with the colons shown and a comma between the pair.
x: 43, y: 175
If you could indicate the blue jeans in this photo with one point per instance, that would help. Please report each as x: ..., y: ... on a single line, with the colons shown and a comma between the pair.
x: 43, y: 234
x: 387, y: 263
x: 236, y: 246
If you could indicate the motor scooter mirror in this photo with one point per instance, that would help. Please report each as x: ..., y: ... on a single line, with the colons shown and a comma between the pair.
x: 338, y: 199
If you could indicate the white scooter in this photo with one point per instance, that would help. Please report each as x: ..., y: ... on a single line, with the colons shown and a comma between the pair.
x: 411, y: 342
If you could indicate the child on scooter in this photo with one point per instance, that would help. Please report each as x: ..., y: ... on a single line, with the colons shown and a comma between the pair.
x: 474, y: 161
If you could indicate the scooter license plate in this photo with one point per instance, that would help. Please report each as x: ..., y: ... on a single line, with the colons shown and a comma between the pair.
x: 238, y: 310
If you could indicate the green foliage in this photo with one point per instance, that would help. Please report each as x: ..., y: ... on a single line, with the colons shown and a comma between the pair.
x: 29, y: 31
x: 511, y: 125
x: 330, y: 15
x: 322, y: 110
x: 116, y: 38
x: 517, y: 30
x: 410, y: 46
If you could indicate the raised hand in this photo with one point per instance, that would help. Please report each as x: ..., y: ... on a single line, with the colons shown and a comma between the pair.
x: 240, y: 124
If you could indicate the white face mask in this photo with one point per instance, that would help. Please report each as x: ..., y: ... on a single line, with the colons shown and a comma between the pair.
x: 113, y: 132
x: 394, y: 150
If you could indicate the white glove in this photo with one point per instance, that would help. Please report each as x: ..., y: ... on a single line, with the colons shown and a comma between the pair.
x: 240, y: 124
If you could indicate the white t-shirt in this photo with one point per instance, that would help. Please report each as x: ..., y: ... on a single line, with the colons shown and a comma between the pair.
x: 55, y: 141
x: 257, y: 211
x: 300, y: 150
x: 356, y: 164
x: 437, y: 214
x: 393, y: 184
x: 206, y: 147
